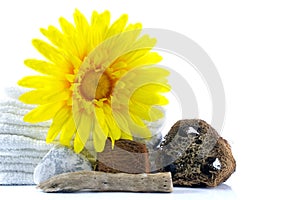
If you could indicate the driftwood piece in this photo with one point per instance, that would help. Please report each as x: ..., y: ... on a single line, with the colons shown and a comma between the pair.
x: 102, y: 182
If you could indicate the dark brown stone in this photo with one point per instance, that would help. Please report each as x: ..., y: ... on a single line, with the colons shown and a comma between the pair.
x: 196, y: 155
x: 127, y: 156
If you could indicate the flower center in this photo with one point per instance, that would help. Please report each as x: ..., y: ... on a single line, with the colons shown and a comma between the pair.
x: 95, y: 85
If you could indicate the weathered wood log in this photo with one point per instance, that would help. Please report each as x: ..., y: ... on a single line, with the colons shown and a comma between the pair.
x: 101, y: 182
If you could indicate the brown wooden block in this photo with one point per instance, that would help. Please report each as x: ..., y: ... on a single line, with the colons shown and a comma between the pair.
x: 127, y: 156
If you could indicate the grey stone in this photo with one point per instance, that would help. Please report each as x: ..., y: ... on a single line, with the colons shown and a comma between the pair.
x: 60, y: 160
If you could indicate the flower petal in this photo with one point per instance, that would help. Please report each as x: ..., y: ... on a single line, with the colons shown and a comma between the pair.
x: 114, y: 130
x: 44, y: 67
x: 67, y: 132
x: 118, y: 26
x: 43, y: 112
x: 50, y: 53
x: 99, y: 138
x: 100, y: 118
x: 66, y: 26
x: 84, y: 128
x: 45, y: 96
x: 59, y: 121
x: 54, y: 35
x: 42, y: 82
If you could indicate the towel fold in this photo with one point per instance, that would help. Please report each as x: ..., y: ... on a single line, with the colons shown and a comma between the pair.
x: 11, y: 118
x: 22, y: 142
x: 21, y: 167
x: 22, y: 145
x: 25, y: 159
x: 16, y: 178
x: 16, y: 152
x: 14, y: 110
x: 33, y: 132
x: 16, y: 104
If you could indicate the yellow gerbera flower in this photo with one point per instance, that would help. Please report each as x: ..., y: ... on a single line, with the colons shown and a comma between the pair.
x: 97, y: 81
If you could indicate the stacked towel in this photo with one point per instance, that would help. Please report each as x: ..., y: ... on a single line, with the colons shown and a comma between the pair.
x: 22, y: 145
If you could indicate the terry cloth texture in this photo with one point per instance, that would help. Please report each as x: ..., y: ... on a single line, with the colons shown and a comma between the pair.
x: 22, y: 145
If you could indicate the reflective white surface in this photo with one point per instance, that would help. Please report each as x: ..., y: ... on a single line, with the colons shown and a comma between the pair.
x: 223, y: 192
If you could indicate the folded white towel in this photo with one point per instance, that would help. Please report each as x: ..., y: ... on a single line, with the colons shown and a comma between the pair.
x: 25, y: 152
x: 18, y: 130
x: 11, y: 118
x: 22, y: 142
x: 21, y: 159
x: 20, y: 112
x: 16, y: 103
x: 21, y: 167
x: 16, y: 178
x: 22, y: 145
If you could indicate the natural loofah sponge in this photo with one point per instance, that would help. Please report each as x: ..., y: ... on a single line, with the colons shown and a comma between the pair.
x: 196, y: 155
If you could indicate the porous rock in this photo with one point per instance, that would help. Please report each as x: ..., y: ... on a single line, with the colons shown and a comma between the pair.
x: 196, y: 155
x: 59, y: 160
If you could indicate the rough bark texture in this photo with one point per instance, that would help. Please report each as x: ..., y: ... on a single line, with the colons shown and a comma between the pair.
x: 126, y: 156
x: 101, y: 182
x: 196, y: 155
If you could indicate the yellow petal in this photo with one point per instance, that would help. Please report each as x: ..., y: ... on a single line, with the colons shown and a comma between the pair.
x: 54, y: 35
x: 43, y: 112
x: 78, y: 144
x: 134, y: 27
x: 59, y: 121
x: 155, y: 114
x: 50, y: 53
x: 100, y: 118
x: 137, y: 121
x: 150, y: 99
x: 45, y: 96
x: 140, y: 110
x: 99, y: 138
x: 84, y: 126
x: 66, y: 26
x: 156, y: 88
x: 147, y: 59
x: 81, y: 23
x: 42, y: 82
x: 133, y: 31
x: 67, y: 132
x: 138, y: 127
x: 144, y: 43
x: 82, y: 31
x: 118, y: 26
x: 99, y: 26
x: 126, y: 136
x: 114, y: 130
x: 104, y: 19
x: 121, y: 122
x: 44, y: 67
x: 35, y: 97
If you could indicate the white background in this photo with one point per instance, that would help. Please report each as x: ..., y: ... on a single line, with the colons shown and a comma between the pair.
x: 255, y: 46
